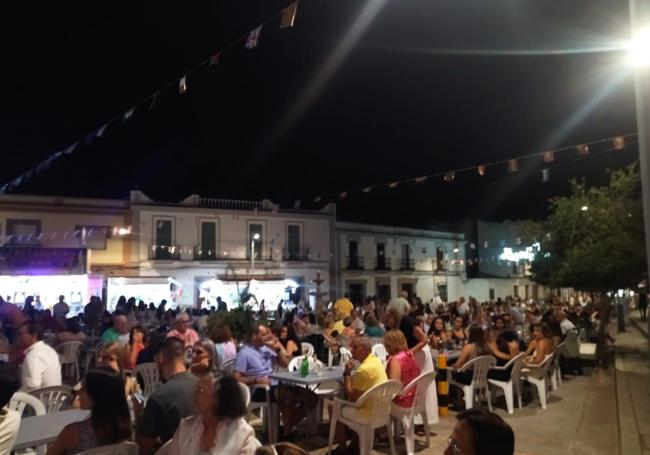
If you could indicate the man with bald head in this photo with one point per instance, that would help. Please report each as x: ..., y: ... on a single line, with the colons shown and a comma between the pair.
x: 119, y: 332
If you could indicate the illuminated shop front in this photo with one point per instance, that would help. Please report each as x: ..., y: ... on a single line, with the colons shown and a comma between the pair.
x: 147, y: 289
x: 253, y: 290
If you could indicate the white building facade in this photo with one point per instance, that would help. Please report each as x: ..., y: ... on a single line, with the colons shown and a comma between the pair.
x: 381, y: 261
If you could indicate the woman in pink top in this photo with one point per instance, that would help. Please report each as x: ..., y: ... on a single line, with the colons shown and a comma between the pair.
x: 401, y: 365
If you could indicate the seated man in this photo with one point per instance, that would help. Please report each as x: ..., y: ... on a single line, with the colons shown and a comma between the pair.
x: 119, y: 333
x: 253, y: 365
x: 171, y: 402
x: 41, y: 367
x: 369, y: 374
x: 481, y: 432
x: 9, y: 419
x: 183, y: 331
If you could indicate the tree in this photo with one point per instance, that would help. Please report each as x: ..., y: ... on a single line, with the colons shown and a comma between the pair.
x: 593, y: 239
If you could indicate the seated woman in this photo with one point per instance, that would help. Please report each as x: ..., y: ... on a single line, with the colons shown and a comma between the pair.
x: 475, y: 347
x: 224, y: 344
x: 203, y: 353
x: 459, y: 332
x: 288, y: 339
x: 504, y: 347
x: 541, y: 344
x: 401, y: 365
x: 218, y: 427
x: 102, y: 392
x: 138, y: 340
x: 372, y: 326
x: 437, y: 334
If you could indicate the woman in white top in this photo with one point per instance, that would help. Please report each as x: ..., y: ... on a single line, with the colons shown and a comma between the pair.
x: 219, y: 427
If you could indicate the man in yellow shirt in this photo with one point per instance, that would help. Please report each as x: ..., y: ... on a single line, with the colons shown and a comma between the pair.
x: 344, y: 307
x: 369, y: 374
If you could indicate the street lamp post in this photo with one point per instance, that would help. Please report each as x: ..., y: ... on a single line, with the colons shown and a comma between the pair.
x: 255, y: 237
x: 640, y: 49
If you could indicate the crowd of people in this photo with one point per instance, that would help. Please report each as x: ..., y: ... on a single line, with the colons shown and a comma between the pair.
x: 200, y: 406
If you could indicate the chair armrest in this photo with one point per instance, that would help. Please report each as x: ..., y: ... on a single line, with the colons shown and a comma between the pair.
x: 501, y: 368
x: 341, y: 402
x: 532, y: 365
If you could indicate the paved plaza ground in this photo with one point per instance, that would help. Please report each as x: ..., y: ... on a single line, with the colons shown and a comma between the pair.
x: 605, y: 412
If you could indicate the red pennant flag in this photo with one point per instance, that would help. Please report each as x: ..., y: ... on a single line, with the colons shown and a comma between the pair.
x: 513, y: 165
x: 549, y: 156
x: 618, y: 143
x: 289, y: 16
x: 253, y: 38
x: 583, y: 150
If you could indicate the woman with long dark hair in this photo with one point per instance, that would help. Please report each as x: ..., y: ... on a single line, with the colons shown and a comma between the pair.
x: 288, y: 339
x: 541, y: 345
x: 102, y: 393
x: 476, y: 346
x: 138, y: 340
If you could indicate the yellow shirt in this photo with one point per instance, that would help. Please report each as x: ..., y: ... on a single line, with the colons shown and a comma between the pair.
x: 338, y: 326
x: 369, y: 374
x: 344, y: 307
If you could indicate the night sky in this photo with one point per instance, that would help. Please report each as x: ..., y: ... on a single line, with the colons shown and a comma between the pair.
x: 429, y: 85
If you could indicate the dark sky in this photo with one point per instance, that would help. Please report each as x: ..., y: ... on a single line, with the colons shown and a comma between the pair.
x: 429, y: 85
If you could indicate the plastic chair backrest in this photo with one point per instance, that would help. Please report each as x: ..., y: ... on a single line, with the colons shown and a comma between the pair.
x: 69, y: 351
x: 345, y: 354
x: 379, y: 351
x: 165, y: 449
x: 123, y: 448
x: 516, y: 363
x: 382, y: 397
x: 480, y: 367
x: 227, y: 366
x: 150, y: 377
x: 421, y: 384
x: 307, y: 349
x: 20, y: 400
x: 54, y: 397
x: 246, y: 393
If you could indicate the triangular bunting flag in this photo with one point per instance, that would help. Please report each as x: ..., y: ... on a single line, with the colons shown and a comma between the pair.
x: 513, y: 165
x: 393, y: 185
x: 99, y: 132
x: 289, y: 16
x: 155, y: 98
x: 343, y: 195
x: 449, y: 177
x: 618, y: 143
x: 318, y: 199
x: 128, y: 114
x: 296, y: 205
x: 548, y: 156
x: 420, y: 180
x: 70, y: 148
x: 481, y: 170
x: 182, y: 85
x: 253, y: 38
x: 546, y: 175
x: 214, y: 61
x: 583, y: 150
x: 367, y: 190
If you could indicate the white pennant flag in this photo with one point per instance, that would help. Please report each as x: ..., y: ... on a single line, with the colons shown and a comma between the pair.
x: 253, y: 38
x: 182, y: 85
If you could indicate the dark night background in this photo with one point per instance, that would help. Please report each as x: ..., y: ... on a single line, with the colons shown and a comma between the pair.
x: 430, y: 85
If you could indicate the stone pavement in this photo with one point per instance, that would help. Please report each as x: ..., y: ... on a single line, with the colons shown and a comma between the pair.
x: 633, y: 389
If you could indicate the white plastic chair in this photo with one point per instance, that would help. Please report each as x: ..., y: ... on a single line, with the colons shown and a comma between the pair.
x: 407, y: 415
x: 227, y: 366
x: 379, y: 351
x: 123, y: 448
x: 381, y: 397
x: 54, y: 397
x: 536, y: 374
x: 92, y: 346
x: 19, y: 401
x: 69, y: 355
x: 479, y: 366
x: 514, y: 384
x: 307, y: 349
x: 165, y: 449
x: 246, y: 393
x: 267, y: 412
x: 345, y: 354
x: 150, y: 377
x: 555, y: 370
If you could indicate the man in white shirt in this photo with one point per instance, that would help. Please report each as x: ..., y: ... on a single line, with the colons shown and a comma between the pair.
x: 61, y: 309
x: 400, y: 304
x: 41, y: 367
x: 565, y: 324
x: 9, y: 419
x: 463, y: 307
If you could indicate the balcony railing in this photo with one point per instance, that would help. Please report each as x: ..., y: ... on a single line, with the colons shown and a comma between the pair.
x: 164, y: 252
x: 406, y: 264
x: 354, y: 262
x: 299, y: 255
x: 383, y: 263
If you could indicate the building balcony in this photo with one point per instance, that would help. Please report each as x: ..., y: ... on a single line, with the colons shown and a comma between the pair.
x: 164, y: 252
x: 406, y: 265
x: 383, y: 263
x: 302, y: 255
x: 354, y: 263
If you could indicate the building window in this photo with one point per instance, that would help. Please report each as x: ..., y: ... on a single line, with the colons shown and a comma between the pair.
x: 293, y: 241
x: 516, y: 290
x: 255, y: 230
x: 24, y: 232
x: 353, y: 254
x: 492, y: 293
x: 92, y: 237
x: 208, y: 240
x: 381, y: 256
x: 440, y: 259
x: 163, y: 238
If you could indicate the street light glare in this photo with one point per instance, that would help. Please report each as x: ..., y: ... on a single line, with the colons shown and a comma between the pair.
x: 256, y: 237
x: 584, y: 208
x: 639, y: 49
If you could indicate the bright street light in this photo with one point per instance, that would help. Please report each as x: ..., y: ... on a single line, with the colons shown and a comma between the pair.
x: 123, y: 230
x: 639, y: 48
x: 584, y: 208
x: 256, y: 236
x: 456, y: 250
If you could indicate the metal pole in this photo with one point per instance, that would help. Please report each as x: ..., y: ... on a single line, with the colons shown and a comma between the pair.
x: 640, y: 19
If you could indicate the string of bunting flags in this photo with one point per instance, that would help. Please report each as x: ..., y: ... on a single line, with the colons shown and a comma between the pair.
x: 250, y: 39
x: 549, y: 157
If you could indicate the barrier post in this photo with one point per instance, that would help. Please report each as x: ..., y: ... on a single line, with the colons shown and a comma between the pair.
x: 443, y: 386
